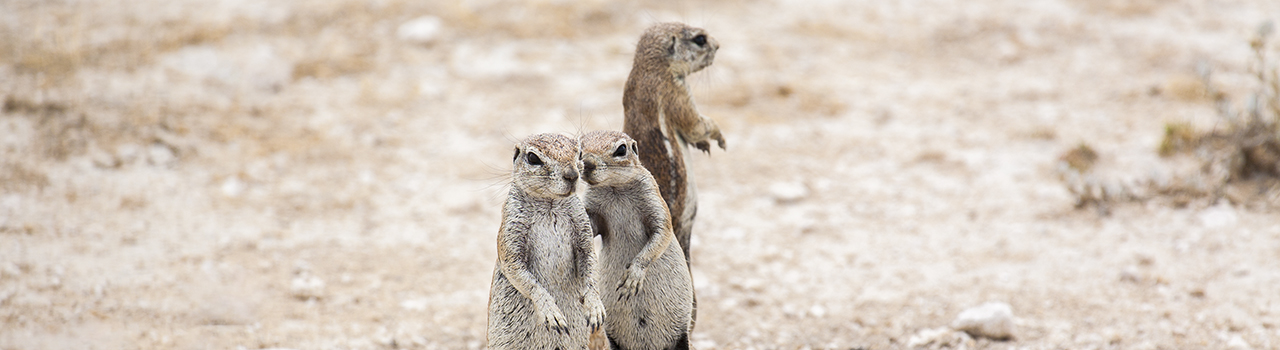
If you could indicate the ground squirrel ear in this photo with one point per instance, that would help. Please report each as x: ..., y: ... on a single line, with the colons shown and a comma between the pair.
x: 517, y: 155
x: 671, y: 50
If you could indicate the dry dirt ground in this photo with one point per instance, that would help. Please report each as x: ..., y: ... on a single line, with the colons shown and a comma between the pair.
x: 227, y: 174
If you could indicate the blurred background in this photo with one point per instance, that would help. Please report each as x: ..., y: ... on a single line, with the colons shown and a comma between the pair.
x: 219, y: 174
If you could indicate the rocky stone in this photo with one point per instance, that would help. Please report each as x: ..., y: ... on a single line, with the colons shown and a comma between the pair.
x: 306, y: 287
x: 788, y: 192
x: 993, y: 320
x: 421, y: 30
x: 1218, y: 216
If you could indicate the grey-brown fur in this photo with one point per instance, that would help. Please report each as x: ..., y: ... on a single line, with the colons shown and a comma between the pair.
x: 543, y: 295
x: 660, y: 114
x: 644, y: 279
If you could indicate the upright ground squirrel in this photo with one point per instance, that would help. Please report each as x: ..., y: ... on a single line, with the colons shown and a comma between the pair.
x: 645, y: 282
x: 661, y: 116
x: 543, y: 295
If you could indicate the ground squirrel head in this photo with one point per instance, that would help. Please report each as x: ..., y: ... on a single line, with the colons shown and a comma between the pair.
x: 546, y: 166
x: 610, y: 158
x: 677, y: 47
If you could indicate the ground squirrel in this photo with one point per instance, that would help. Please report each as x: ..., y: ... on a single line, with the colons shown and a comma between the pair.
x: 660, y: 114
x: 543, y: 295
x: 645, y: 282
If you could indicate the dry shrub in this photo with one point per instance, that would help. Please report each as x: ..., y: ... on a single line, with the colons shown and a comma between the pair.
x: 1239, y: 161
x: 1248, y: 146
x: 62, y: 130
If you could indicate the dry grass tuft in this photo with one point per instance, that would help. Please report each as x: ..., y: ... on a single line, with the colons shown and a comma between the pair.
x: 15, y: 177
x: 1081, y: 159
x: 1178, y: 137
x: 13, y: 104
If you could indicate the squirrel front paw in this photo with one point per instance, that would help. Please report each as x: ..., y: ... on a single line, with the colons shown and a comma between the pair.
x: 553, y: 319
x: 595, y: 311
x: 630, y: 285
x: 713, y: 133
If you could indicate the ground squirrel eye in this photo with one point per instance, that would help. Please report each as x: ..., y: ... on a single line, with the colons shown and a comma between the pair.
x: 621, y: 151
x: 701, y: 40
x: 533, y: 159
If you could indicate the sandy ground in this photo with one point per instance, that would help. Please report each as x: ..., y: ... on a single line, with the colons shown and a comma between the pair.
x: 328, y: 175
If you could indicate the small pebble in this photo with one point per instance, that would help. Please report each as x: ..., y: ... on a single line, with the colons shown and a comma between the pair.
x: 161, y: 155
x: 942, y: 337
x: 992, y: 320
x: 306, y: 287
x: 421, y: 30
x: 1238, y: 343
x: 788, y: 192
x: 1219, y: 216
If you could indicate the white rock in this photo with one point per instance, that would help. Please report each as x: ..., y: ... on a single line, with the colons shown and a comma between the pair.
x: 306, y: 287
x: 1218, y: 216
x: 415, y: 304
x: 232, y: 187
x: 817, y: 311
x: 788, y: 192
x: 990, y: 320
x: 126, y: 153
x: 160, y: 155
x: 421, y: 30
x: 1238, y: 343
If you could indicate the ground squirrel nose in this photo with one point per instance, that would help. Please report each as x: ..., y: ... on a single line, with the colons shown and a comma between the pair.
x: 571, y: 176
